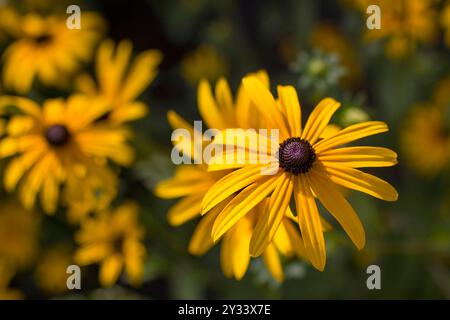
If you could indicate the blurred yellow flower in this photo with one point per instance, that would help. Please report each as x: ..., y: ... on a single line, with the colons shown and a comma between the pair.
x: 191, y: 182
x: 18, y: 235
x: 50, y: 273
x: 204, y: 62
x: 6, y: 274
x: 307, y: 167
x: 121, y: 81
x: 404, y: 24
x: 113, y: 239
x: 59, y: 144
x: 425, y: 139
x: 329, y: 39
x: 45, y: 48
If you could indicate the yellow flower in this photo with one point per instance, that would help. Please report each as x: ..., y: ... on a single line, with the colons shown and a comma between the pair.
x: 119, y: 81
x: 50, y: 273
x: 6, y: 274
x: 404, y: 23
x: 425, y: 139
x: 306, y: 166
x: 204, y: 62
x: 90, y: 194
x: 45, y: 48
x: 61, y: 143
x: 191, y: 182
x: 114, y: 240
x: 18, y: 235
x: 329, y: 39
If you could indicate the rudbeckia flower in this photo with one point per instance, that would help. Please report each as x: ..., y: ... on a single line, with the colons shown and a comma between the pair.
x: 113, y: 238
x: 45, y: 48
x: 192, y: 182
x: 120, y: 80
x: 60, y: 144
x: 304, y: 167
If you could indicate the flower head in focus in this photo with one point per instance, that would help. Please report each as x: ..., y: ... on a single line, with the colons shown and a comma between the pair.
x: 120, y: 80
x: 113, y: 239
x: 60, y: 144
x: 192, y: 182
x: 303, y: 167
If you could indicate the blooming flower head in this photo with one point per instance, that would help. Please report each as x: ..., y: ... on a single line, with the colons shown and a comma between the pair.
x: 192, y: 182
x: 45, y: 48
x: 60, y: 144
x: 203, y: 63
x: 113, y: 239
x: 303, y: 167
x: 404, y: 24
x: 121, y: 80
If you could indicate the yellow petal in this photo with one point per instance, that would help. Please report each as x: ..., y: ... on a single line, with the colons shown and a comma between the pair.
x: 273, y: 263
x: 225, y: 101
x: 339, y: 207
x: 268, y: 224
x: 239, y: 237
x: 185, y: 210
x: 266, y: 104
x: 361, y: 181
x: 319, y: 119
x: 208, y: 108
x: 110, y: 270
x: 201, y: 240
x: 310, y: 224
x: 351, y: 133
x: 241, y: 204
x: 357, y: 157
x: 289, y: 100
x: 230, y: 184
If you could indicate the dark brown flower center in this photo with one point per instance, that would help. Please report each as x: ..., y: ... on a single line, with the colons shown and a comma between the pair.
x: 57, y: 135
x: 43, y: 39
x: 296, y: 155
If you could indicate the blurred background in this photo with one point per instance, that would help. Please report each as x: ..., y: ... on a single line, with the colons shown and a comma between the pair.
x: 399, y: 74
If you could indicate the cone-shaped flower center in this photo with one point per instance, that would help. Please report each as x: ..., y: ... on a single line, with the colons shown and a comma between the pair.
x: 296, y: 155
x: 57, y: 135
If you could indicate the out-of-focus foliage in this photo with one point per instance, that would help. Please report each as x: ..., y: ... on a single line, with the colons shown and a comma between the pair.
x: 397, y: 74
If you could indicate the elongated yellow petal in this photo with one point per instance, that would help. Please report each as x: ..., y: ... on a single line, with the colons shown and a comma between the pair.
x: 273, y: 263
x: 239, y: 237
x: 225, y: 101
x: 294, y: 237
x: 310, y: 224
x: 185, y: 210
x: 188, y: 180
x: 246, y: 200
x: 201, y: 240
x: 319, y: 119
x: 230, y: 184
x: 351, y: 133
x: 268, y: 224
x: 357, y: 157
x: 110, y: 270
x: 361, y: 181
x: 49, y: 194
x: 289, y: 100
x: 208, y: 108
x: 25, y: 105
x: 339, y: 207
x: 264, y: 101
x: 18, y: 166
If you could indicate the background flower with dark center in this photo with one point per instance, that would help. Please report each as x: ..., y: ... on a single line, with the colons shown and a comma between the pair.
x: 58, y: 144
x: 113, y: 239
x: 120, y: 80
x: 404, y: 24
x: 306, y: 167
x: 193, y: 181
x: 46, y: 49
